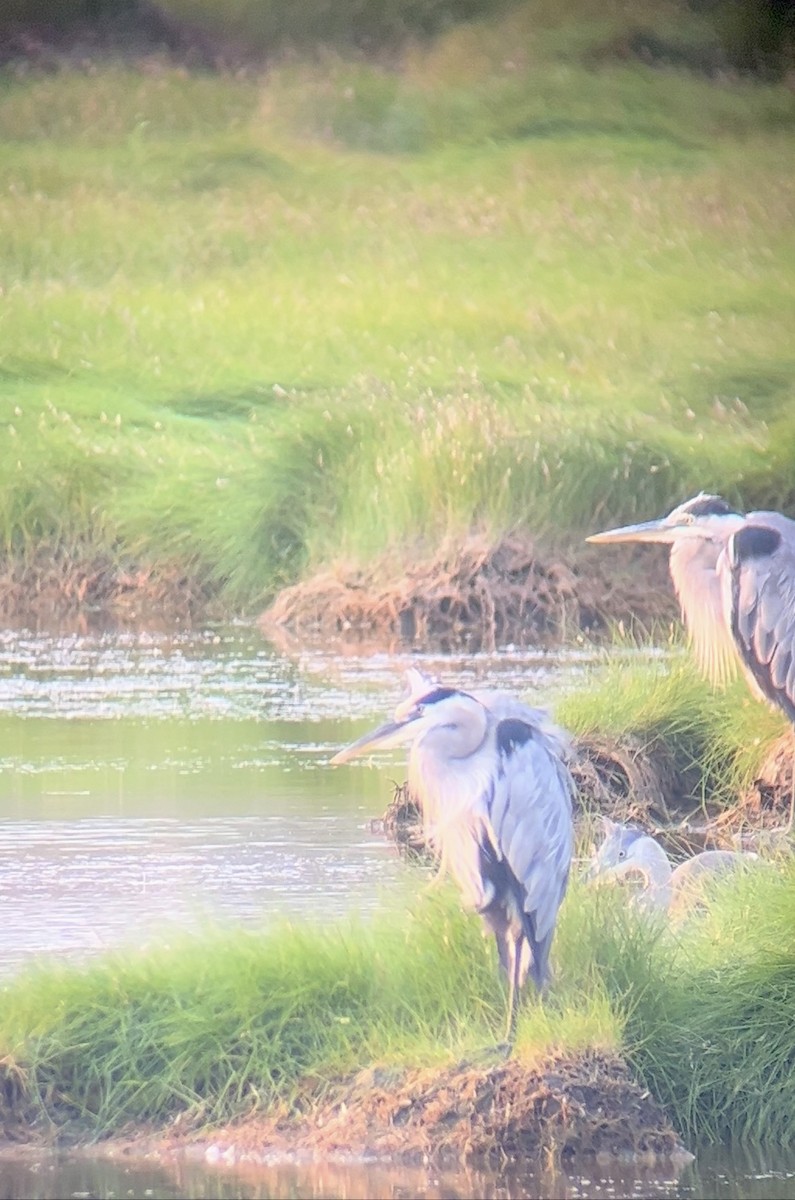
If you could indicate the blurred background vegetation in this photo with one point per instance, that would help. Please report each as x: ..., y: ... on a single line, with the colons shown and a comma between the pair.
x: 320, y: 283
x: 753, y: 34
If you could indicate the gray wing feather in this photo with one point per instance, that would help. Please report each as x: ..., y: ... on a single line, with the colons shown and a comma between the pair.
x: 762, y: 591
x: 789, y: 684
x: 530, y: 814
x: 504, y: 706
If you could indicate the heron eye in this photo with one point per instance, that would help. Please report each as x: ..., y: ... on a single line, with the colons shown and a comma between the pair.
x: 622, y: 854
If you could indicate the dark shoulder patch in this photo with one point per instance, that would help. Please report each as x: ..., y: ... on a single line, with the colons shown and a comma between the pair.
x: 440, y: 693
x: 512, y: 733
x: 708, y: 506
x: 755, y: 541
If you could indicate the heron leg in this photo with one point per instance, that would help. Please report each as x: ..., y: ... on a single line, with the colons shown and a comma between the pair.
x: 511, y: 1022
x: 514, y: 987
x: 510, y: 940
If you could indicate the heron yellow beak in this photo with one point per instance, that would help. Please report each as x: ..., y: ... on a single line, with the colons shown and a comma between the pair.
x: 646, y: 531
x: 393, y: 733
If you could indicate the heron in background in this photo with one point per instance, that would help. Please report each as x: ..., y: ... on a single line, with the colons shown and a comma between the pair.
x: 628, y: 851
x: 490, y: 777
x: 734, y: 576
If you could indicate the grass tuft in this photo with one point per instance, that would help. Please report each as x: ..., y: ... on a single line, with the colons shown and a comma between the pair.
x: 215, y: 1034
x: 719, y: 1053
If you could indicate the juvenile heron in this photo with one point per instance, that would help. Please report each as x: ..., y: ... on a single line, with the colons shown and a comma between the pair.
x: 734, y: 576
x: 628, y: 851
x: 490, y: 776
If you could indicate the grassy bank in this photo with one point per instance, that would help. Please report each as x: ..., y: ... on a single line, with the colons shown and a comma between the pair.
x: 255, y: 324
x: 717, y: 739
x: 225, y: 1032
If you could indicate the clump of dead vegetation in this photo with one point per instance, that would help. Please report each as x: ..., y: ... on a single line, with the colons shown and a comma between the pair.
x: 574, y: 1107
x: 17, y: 1113
x: 476, y: 593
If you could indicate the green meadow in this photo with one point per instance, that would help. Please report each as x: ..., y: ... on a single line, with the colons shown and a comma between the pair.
x: 258, y: 322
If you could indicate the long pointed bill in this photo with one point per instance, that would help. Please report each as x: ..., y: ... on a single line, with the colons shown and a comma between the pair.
x: 393, y: 733
x: 646, y: 531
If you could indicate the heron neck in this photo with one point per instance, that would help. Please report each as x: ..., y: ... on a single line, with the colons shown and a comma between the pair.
x: 699, y: 588
x: 445, y: 766
x: 653, y: 862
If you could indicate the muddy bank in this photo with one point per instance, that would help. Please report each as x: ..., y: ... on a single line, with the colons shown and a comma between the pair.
x: 76, y: 36
x: 478, y: 595
x: 648, y: 785
x: 83, y: 587
x: 475, y: 595
x: 571, y: 1109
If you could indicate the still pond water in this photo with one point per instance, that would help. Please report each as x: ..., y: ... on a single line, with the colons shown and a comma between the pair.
x: 158, y: 782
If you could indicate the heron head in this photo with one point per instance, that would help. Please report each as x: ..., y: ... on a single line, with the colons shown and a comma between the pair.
x: 415, y: 716
x: 705, y: 517
x: 617, y: 851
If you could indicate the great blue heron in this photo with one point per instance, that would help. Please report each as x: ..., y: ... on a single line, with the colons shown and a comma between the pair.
x: 491, y: 779
x: 628, y: 851
x: 734, y: 576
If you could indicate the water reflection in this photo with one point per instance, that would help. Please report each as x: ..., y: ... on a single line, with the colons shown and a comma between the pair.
x: 78, y: 887
x: 719, y: 1174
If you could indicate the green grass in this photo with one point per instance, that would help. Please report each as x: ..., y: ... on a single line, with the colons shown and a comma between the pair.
x: 702, y: 1014
x: 715, y: 1046
x: 216, y: 1033
x: 255, y: 324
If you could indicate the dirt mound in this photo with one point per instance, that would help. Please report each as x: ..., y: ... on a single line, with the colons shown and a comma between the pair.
x: 477, y: 594
x: 629, y: 781
x: 569, y: 1108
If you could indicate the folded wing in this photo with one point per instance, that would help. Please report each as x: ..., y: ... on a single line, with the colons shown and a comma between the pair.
x: 760, y: 563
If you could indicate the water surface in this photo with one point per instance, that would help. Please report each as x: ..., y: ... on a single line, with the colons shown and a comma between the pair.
x: 719, y: 1174
x: 156, y: 782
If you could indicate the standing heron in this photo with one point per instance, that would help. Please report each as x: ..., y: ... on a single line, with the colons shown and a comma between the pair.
x: 734, y: 576
x: 490, y: 776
